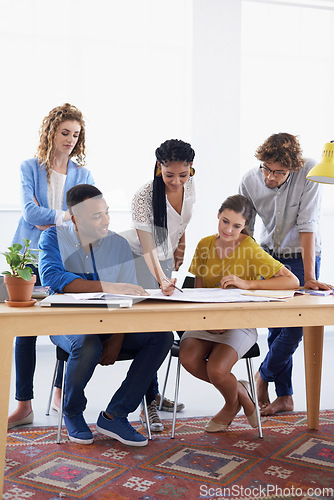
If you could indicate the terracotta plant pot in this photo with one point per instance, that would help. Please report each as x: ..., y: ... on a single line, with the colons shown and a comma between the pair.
x: 19, y: 290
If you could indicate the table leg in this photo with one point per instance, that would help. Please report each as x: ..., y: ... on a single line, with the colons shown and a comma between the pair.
x: 313, y: 347
x: 6, y: 353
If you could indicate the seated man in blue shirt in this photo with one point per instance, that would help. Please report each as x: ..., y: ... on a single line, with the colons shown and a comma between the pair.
x: 87, y: 257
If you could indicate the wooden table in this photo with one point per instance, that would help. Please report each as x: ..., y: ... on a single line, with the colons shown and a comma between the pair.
x: 311, y: 312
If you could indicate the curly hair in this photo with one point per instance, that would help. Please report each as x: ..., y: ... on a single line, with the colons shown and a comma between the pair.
x: 282, y: 148
x: 48, y: 130
x: 168, y: 151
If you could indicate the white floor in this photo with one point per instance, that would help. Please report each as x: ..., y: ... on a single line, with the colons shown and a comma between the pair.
x: 200, y: 399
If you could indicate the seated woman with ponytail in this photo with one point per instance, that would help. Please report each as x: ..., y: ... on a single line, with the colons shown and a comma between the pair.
x: 230, y: 258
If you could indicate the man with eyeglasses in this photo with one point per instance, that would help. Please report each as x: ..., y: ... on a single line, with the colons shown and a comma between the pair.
x: 289, y: 208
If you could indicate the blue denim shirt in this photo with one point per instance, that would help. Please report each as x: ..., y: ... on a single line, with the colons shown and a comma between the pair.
x: 63, y: 260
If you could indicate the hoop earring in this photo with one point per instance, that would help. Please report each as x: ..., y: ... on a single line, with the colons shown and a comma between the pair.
x: 192, y: 171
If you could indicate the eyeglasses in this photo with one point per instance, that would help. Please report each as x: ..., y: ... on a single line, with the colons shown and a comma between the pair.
x: 276, y: 173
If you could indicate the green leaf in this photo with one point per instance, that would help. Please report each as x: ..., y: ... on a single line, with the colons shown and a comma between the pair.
x: 8, y: 259
x: 16, y: 260
x: 26, y: 242
x: 16, y: 247
x: 25, y: 273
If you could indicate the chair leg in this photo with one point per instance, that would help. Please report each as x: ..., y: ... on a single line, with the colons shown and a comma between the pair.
x: 251, y: 379
x: 149, y: 435
x: 176, y: 396
x: 60, y: 416
x: 165, y: 382
x: 52, y: 386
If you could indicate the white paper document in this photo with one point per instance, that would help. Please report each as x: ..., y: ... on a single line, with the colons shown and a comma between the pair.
x: 209, y: 295
x: 203, y: 295
x: 273, y: 294
x: 187, y: 295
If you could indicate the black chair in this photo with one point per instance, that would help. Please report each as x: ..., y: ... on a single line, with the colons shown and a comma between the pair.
x: 253, y: 352
x: 62, y: 355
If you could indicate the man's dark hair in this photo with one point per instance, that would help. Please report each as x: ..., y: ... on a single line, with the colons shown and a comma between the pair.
x: 79, y: 193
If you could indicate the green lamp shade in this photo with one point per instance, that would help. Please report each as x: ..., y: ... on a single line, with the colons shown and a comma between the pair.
x: 324, y: 171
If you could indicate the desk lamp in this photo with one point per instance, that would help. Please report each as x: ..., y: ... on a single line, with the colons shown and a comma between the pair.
x: 324, y: 171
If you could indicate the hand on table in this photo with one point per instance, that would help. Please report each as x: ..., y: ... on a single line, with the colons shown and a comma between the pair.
x: 317, y: 285
x: 124, y: 289
x: 233, y: 281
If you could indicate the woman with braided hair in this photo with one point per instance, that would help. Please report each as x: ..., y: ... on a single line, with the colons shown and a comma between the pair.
x: 45, y: 181
x: 161, y: 211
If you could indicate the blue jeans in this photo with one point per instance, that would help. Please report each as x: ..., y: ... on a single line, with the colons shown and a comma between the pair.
x: 148, y: 351
x: 282, y: 342
x: 25, y: 363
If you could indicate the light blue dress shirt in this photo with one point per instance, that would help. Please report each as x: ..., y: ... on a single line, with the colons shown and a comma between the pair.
x: 286, y: 211
x: 63, y: 259
x: 34, y: 184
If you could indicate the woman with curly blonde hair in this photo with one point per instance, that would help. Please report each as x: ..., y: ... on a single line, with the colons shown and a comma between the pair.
x: 45, y: 180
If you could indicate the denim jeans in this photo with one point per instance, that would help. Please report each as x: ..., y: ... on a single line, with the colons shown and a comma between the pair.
x: 25, y: 362
x: 148, y: 351
x: 282, y: 342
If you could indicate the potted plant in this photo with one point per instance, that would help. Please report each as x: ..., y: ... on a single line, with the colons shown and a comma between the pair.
x: 20, y: 280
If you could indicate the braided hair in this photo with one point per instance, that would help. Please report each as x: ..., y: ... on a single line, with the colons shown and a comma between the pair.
x: 168, y: 151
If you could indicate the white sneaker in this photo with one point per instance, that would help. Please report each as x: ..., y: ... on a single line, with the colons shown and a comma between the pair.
x: 153, y: 417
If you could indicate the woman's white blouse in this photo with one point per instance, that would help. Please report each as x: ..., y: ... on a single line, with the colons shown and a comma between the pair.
x: 56, y: 188
x: 142, y: 218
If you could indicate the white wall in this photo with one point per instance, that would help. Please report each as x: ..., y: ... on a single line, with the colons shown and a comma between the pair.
x: 215, y: 111
x: 194, y: 53
x: 8, y: 223
x: 126, y: 64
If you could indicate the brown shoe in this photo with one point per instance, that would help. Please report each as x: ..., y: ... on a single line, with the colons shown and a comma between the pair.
x: 168, y: 405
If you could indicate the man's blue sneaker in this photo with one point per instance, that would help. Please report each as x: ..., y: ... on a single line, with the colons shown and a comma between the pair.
x: 78, y: 430
x: 120, y: 429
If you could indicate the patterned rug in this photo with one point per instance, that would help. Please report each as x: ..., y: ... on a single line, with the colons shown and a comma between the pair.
x: 289, y: 462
